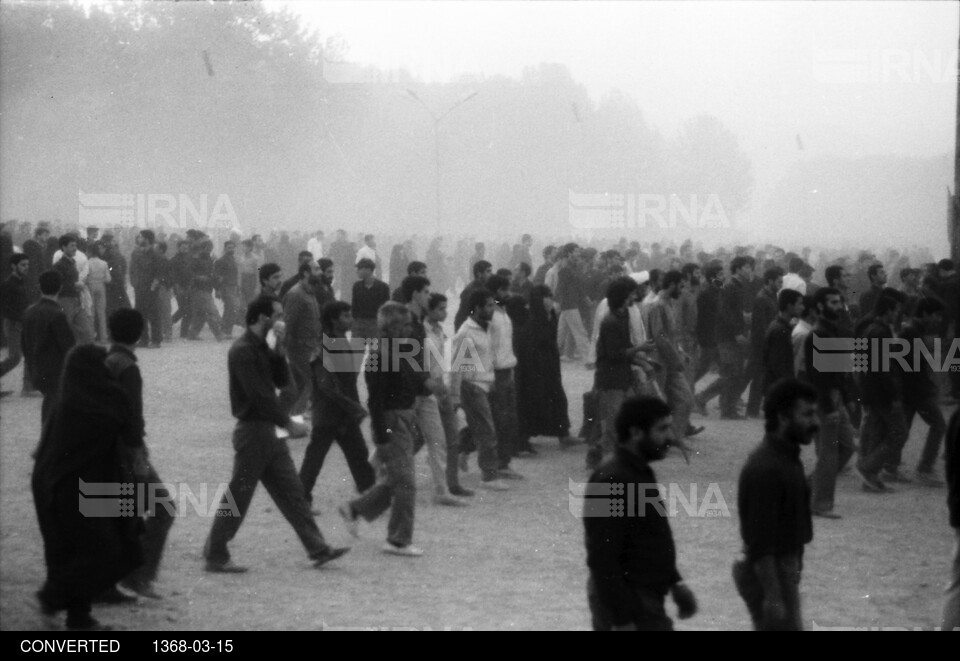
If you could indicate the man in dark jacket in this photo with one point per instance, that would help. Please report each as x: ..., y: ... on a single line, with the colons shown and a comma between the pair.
x: 146, y: 283
x: 764, y: 311
x: 632, y: 558
x: 951, y: 607
x: 835, y: 445
x: 732, y: 330
x: 13, y: 303
x: 776, y: 358
x: 774, y: 508
x: 884, y: 428
x: 46, y: 339
x: 226, y: 276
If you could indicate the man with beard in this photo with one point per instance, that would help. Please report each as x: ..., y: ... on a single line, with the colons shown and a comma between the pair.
x: 271, y: 279
x: 632, y: 558
x: 835, y: 444
x: 324, y: 290
x: 774, y: 507
x: 302, y: 317
x: 664, y: 332
x: 33, y: 249
x: 255, y: 372
x: 878, y: 280
x: 67, y: 265
x: 482, y: 271
x: 227, y: 277
x: 708, y: 311
x: 777, y: 360
x: 304, y: 257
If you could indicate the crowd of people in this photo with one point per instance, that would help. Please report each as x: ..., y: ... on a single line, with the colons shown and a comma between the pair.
x: 653, y: 324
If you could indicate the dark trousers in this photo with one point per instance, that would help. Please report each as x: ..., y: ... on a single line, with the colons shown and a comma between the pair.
x: 881, y: 439
x: 835, y: 447
x: 204, y: 312
x: 503, y: 405
x: 751, y: 590
x: 148, y: 304
x: 754, y: 375
x: 451, y: 424
x: 183, y: 313
x: 731, y: 382
x: 232, y: 309
x: 157, y: 526
x: 262, y: 457
x: 929, y: 411
x: 651, y: 615
x: 350, y: 440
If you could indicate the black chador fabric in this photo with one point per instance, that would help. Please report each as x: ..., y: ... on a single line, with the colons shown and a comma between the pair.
x: 84, y: 439
x: 541, y: 401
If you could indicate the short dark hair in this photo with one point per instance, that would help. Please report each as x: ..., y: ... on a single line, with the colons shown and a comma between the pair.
x: 436, y: 298
x: 834, y: 272
x: 126, y: 325
x: 809, y: 304
x: 366, y: 263
x: 261, y: 305
x: 523, y: 266
x: 332, y: 311
x: 795, y: 264
x: 740, y: 261
x: 267, y: 271
x: 18, y: 257
x: 479, y: 298
x: 619, y: 290
x: 787, y: 298
x: 304, y: 253
x: 820, y: 297
x: 148, y: 236
x: 480, y: 267
x: 504, y: 273
x: 712, y: 270
x: 772, y: 274
x: 670, y: 278
x: 945, y: 265
x: 873, y: 269
x: 67, y: 239
x: 411, y: 285
x: 782, y: 397
x: 229, y: 243
x: 324, y: 263
x: 497, y: 282
x: 642, y: 412
x: 414, y: 267
x: 907, y: 272
x: 689, y: 268
x: 50, y: 283
x: 305, y: 269
x: 549, y: 250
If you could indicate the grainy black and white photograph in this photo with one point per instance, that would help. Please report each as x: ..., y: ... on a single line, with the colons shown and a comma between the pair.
x: 476, y: 316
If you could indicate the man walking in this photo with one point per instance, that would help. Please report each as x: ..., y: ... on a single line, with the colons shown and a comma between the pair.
x: 774, y: 508
x: 633, y: 559
x: 255, y: 371
x: 145, y: 287
x: 732, y: 336
x: 302, y: 317
x: 126, y: 327
x: 47, y: 338
x: 226, y: 274
x: 369, y: 293
x: 72, y: 289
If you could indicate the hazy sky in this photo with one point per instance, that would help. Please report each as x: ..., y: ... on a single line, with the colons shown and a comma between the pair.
x: 850, y: 78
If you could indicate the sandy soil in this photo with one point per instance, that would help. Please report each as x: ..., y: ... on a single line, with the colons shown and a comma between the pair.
x: 511, y: 560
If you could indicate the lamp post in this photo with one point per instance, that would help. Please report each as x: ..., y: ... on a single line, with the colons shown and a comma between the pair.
x: 436, y: 138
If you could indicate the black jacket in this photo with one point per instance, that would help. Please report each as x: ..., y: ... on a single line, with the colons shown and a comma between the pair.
x: 46, y: 340
x: 631, y: 551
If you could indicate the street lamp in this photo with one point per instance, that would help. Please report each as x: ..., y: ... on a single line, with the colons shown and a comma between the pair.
x: 436, y: 136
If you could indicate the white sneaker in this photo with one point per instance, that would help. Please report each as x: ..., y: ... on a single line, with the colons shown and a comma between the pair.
x: 350, y: 520
x: 409, y: 550
x: 494, y: 485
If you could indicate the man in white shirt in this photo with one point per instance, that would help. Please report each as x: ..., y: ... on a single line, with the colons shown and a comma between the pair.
x: 315, y: 244
x: 792, y: 279
x: 503, y: 398
x: 368, y: 250
x: 798, y: 335
x: 472, y: 379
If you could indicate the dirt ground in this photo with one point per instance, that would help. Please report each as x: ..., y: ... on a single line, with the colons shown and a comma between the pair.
x: 511, y: 560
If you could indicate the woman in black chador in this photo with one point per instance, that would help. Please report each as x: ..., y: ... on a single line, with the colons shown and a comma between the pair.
x: 88, y: 437
x: 541, y: 400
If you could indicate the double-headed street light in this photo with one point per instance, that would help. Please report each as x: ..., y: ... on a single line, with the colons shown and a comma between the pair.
x: 436, y: 137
